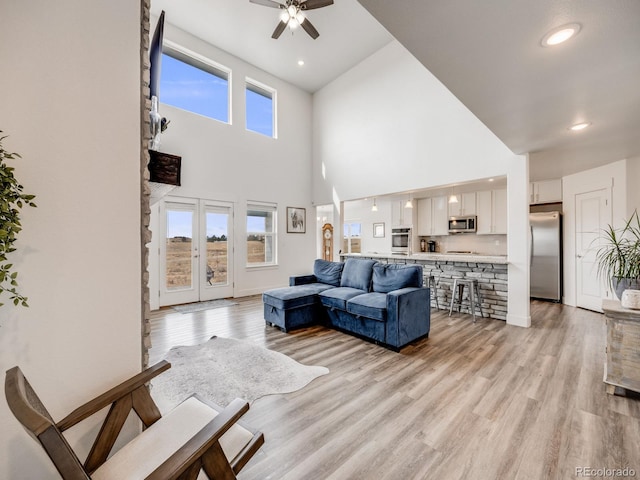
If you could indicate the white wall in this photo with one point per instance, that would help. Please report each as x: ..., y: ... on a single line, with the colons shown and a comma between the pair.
x: 228, y: 163
x: 70, y: 101
x: 612, y: 176
x: 633, y: 185
x: 388, y: 125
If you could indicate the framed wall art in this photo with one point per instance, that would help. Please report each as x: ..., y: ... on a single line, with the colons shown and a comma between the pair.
x: 378, y: 230
x: 296, y: 220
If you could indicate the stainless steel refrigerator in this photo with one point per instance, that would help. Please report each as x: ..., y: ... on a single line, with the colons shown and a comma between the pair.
x: 546, y: 255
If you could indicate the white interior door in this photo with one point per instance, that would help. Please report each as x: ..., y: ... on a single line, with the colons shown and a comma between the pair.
x: 593, y: 213
x: 196, y: 258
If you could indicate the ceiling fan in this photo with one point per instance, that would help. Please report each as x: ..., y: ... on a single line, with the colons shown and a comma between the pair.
x: 293, y: 15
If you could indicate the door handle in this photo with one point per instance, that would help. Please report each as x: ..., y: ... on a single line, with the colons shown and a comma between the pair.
x: 579, y: 256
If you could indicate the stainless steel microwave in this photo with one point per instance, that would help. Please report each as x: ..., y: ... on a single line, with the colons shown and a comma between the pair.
x: 462, y: 224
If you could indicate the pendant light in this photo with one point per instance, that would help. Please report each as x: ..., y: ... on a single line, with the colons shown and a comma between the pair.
x: 453, y: 198
x: 374, y: 207
x: 409, y: 204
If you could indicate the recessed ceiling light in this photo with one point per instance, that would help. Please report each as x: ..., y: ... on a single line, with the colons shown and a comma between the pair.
x: 300, y: 62
x: 491, y: 179
x: 579, y: 126
x: 560, y: 34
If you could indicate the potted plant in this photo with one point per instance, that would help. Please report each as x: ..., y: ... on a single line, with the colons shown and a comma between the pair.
x: 12, y: 200
x: 618, y: 257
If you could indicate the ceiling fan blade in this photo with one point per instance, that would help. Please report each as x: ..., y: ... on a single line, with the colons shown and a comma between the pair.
x: 279, y: 29
x: 267, y: 3
x: 310, y: 29
x: 311, y: 4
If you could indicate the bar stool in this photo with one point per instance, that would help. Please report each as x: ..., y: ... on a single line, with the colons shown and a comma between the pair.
x: 474, y: 294
x: 433, y: 285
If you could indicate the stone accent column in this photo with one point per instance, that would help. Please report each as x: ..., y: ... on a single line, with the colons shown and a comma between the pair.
x: 145, y: 191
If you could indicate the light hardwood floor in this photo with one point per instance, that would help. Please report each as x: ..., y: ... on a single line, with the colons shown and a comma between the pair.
x: 473, y: 401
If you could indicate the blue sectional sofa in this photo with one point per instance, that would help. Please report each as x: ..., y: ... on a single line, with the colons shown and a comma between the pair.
x: 384, y: 303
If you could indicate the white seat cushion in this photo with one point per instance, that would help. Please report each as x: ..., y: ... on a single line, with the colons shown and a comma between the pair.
x: 151, y: 448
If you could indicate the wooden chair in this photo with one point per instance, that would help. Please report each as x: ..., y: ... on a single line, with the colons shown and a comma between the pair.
x: 194, y: 436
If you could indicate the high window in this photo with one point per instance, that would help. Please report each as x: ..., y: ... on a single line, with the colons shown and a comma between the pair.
x: 352, y: 236
x: 261, y: 234
x: 260, y: 106
x: 194, y: 83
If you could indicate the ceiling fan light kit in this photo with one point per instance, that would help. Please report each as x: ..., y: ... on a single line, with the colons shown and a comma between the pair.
x: 292, y: 14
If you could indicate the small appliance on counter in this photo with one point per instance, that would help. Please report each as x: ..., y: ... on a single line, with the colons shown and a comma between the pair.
x: 423, y: 245
x: 432, y: 245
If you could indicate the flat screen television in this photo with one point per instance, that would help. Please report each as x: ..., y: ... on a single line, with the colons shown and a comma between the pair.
x: 155, y: 58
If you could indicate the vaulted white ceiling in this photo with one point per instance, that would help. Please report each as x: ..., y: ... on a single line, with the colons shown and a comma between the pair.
x: 348, y: 34
x: 487, y: 53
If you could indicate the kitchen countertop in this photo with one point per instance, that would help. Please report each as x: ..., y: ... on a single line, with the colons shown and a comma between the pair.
x: 447, y: 257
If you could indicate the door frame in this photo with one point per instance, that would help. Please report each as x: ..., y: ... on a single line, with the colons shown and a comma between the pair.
x: 604, y: 194
x: 199, y: 290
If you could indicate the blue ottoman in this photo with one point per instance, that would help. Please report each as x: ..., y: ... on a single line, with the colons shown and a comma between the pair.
x: 294, y: 307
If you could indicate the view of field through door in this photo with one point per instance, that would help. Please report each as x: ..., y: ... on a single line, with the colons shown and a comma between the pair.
x: 196, y: 255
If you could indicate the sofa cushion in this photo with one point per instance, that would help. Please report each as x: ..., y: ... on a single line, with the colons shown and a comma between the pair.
x: 328, y: 272
x: 357, y: 273
x: 387, y: 278
x: 371, y: 305
x: 337, y: 297
x: 292, y: 297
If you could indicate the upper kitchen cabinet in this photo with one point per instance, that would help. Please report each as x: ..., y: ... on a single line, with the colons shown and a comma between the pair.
x: 492, y: 212
x: 466, y: 205
x: 548, y: 191
x: 433, y: 217
x: 400, y: 215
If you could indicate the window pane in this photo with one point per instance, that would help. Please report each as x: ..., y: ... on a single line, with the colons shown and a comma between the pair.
x: 194, y: 89
x: 259, y: 221
x: 217, y: 249
x: 352, y: 242
x: 261, y: 235
x: 179, y: 234
x: 259, y: 111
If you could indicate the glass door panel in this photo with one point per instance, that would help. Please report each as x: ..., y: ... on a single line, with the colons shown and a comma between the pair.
x: 218, y: 259
x: 179, y: 238
x: 179, y: 252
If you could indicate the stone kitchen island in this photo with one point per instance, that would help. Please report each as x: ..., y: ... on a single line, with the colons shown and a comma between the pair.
x: 489, y: 270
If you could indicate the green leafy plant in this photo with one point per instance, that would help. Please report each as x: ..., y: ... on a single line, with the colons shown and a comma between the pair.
x: 619, y: 256
x: 12, y: 200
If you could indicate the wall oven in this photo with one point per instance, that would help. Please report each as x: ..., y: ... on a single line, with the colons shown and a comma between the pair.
x: 401, y: 240
x: 462, y: 224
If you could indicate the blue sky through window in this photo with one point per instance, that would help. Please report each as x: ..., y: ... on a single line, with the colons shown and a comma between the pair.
x: 193, y: 89
x: 259, y: 113
x: 180, y: 224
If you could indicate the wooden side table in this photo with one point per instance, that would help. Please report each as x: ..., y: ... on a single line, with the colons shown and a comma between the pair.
x: 622, y: 367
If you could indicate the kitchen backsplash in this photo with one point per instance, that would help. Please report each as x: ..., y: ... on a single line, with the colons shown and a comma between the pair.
x: 482, y: 244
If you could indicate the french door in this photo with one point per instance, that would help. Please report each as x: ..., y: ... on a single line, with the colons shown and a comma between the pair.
x: 196, y: 253
x: 593, y: 213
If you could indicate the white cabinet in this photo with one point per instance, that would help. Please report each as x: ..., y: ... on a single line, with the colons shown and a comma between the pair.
x: 466, y: 205
x: 433, y: 217
x: 492, y: 212
x: 548, y: 191
x: 400, y: 215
